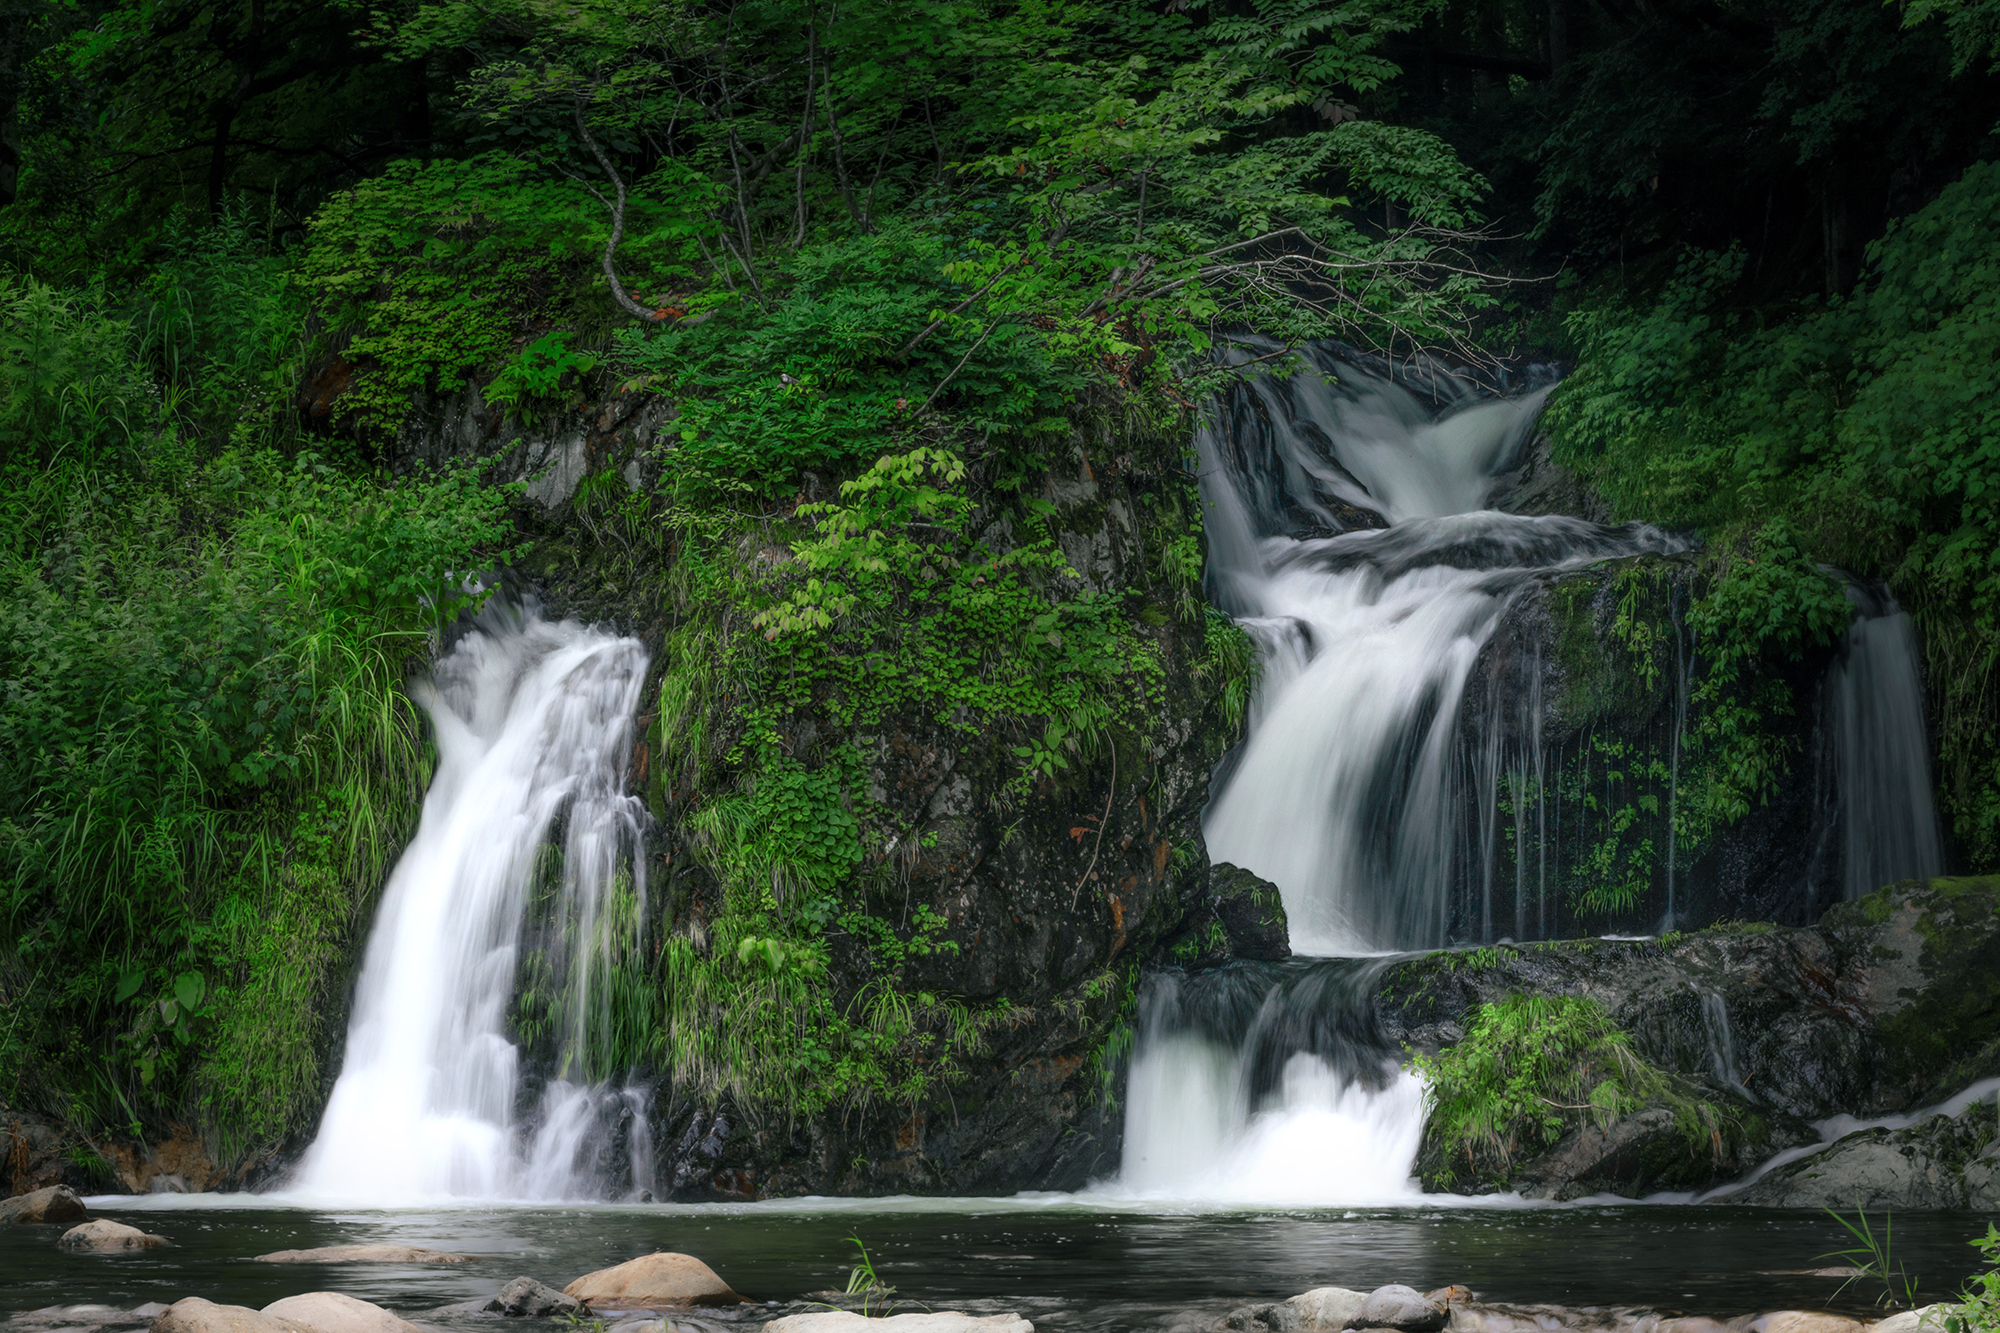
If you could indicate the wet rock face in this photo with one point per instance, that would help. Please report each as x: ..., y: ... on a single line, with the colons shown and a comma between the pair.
x: 1890, y: 1004
x: 1587, y: 675
x: 1050, y: 898
x: 1238, y: 916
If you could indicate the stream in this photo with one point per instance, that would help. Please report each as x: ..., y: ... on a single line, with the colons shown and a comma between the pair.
x: 1064, y: 1262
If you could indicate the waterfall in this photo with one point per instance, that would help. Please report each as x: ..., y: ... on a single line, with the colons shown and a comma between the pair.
x: 526, y: 821
x: 1881, y: 750
x: 1268, y: 1083
x: 1346, y: 537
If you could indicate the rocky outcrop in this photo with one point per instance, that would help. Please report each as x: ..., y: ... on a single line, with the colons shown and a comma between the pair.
x: 51, y: 1205
x: 1239, y: 916
x: 1944, y: 1162
x: 1867, y: 1014
x: 659, y: 1281
x: 107, y: 1237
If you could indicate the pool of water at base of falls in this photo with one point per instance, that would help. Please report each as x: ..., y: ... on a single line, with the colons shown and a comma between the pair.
x: 1061, y: 1261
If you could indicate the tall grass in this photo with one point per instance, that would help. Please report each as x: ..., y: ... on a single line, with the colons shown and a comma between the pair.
x: 207, y: 758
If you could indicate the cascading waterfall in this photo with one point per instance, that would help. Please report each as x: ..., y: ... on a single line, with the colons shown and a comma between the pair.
x: 1347, y: 537
x: 1269, y: 1083
x: 527, y: 815
x: 1346, y: 792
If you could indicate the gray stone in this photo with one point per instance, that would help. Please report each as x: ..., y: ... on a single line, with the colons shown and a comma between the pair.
x: 526, y: 1297
x: 1929, y: 1318
x: 935, y: 1321
x: 1326, y: 1308
x: 1802, y: 1321
x: 107, y: 1237
x: 1267, y: 1317
x: 1402, y: 1308
x: 54, y: 1205
x: 81, y: 1316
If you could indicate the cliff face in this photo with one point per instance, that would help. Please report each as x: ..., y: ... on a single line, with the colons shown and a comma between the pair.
x: 1015, y: 909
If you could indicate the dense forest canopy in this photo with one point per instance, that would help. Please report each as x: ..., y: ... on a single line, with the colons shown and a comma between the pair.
x: 894, y: 244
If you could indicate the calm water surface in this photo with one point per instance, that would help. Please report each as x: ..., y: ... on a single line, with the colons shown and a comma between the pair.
x: 1064, y: 1265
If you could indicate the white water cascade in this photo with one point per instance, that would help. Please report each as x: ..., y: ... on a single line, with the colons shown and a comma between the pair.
x: 1889, y: 822
x: 534, y: 724
x: 1346, y: 792
x: 1348, y: 535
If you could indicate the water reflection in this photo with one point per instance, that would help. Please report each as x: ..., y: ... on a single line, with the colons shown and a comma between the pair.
x: 1064, y: 1265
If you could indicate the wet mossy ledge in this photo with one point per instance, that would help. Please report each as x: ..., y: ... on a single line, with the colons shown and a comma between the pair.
x: 1685, y: 1063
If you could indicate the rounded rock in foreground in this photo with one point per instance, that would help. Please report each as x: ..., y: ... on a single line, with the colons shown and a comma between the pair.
x: 192, y: 1314
x: 1326, y: 1308
x: 107, y: 1237
x: 55, y: 1205
x: 1804, y: 1321
x: 1929, y: 1318
x: 362, y: 1254
x: 332, y: 1312
x: 930, y: 1321
x: 660, y: 1281
x: 1406, y: 1310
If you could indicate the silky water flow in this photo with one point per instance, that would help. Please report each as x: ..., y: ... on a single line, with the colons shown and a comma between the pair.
x: 1348, y: 536
x: 528, y: 847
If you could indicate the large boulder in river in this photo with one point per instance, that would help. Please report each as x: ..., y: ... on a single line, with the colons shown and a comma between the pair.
x: 659, y: 1281
x: 929, y: 1321
x: 107, y: 1237
x: 56, y: 1204
x: 332, y: 1312
x: 362, y: 1254
x: 1242, y: 916
x: 195, y: 1315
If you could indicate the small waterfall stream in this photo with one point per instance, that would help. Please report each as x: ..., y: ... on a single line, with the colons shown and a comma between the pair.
x: 1888, y: 819
x: 1348, y: 537
x: 526, y: 817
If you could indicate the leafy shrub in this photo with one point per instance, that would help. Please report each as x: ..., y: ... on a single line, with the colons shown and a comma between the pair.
x: 1859, y: 433
x: 1529, y: 1069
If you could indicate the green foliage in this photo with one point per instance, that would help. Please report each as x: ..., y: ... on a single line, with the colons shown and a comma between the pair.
x: 207, y: 756
x: 1857, y: 433
x: 1529, y: 1069
x: 863, y: 1280
x: 1978, y: 1309
x: 1873, y: 1260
